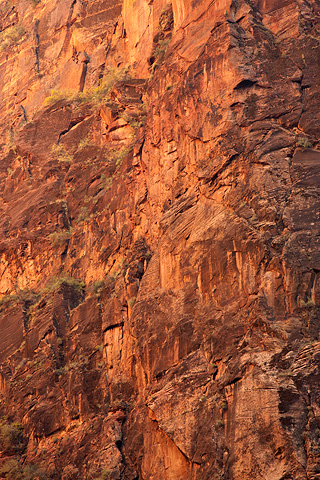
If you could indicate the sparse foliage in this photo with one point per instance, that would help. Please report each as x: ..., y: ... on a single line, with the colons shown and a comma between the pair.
x: 304, y: 143
x: 107, y: 181
x: 97, y: 95
x: 120, y: 155
x: 35, y: 2
x: 11, y: 437
x: 135, y: 121
x: 84, y: 142
x: 160, y: 51
x: 55, y: 282
x: 94, y: 95
x: 98, y: 286
x: 8, y: 299
x: 307, y: 304
x: 59, y: 238
x: 59, y: 153
x: 83, y: 215
x: 11, y: 36
x: 13, y: 470
x: 57, y: 95
x: 22, y: 296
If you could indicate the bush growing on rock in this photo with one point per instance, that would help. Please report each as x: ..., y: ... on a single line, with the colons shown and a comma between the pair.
x: 94, y: 95
x: 8, y: 299
x: 98, y: 286
x: 104, y: 475
x: 11, y: 35
x: 13, y: 470
x: 304, y: 143
x: 26, y: 297
x: 56, y: 95
x: 307, y: 304
x: 99, y: 94
x: 56, y: 282
x: 35, y: 2
x: 59, y: 238
x: 11, y: 437
x: 135, y: 122
x: 59, y: 153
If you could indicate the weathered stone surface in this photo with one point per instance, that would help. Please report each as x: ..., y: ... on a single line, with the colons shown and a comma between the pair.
x: 159, y: 234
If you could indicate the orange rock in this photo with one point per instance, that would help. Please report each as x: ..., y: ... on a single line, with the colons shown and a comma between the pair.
x: 159, y: 238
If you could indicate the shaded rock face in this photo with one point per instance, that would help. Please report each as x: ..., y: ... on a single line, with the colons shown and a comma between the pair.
x: 159, y: 260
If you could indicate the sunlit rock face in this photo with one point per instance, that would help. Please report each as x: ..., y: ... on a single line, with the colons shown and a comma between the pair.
x: 159, y: 240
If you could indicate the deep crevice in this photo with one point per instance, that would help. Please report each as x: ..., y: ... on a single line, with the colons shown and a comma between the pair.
x: 245, y: 84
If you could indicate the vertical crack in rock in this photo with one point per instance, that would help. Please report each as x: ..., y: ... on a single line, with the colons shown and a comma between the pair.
x: 68, y: 34
x: 36, y: 46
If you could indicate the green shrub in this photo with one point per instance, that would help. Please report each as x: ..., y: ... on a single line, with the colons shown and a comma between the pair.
x: 83, y: 215
x: 33, y: 472
x: 105, y: 475
x: 98, y: 286
x: 8, y: 299
x: 107, y: 181
x: 26, y: 296
x: 62, y: 370
x: 99, y: 94
x: 13, y: 470
x: 84, y: 142
x: 11, y: 36
x: 224, y: 405
x: 55, y: 283
x: 9, y: 136
x: 94, y: 95
x: 170, y: 88
x: 135, y: 121
x: 11, y: 437
x: 308, y: 304
x: 59, y: 153
x: 57, y: 95
x: 160, y: 52
x: 59, y: 238
x: 120, y: 155
x: 166, y: 18
x: 99, y: 348
x: 35, y: 2
x: 304, y: 143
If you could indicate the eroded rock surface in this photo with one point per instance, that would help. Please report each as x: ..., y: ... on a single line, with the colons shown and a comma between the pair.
x: 159, y: 234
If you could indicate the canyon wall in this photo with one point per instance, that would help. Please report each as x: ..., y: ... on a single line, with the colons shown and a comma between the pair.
x: 159, y: 239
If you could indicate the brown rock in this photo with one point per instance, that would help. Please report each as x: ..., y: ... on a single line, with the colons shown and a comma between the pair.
x: 159, y: 266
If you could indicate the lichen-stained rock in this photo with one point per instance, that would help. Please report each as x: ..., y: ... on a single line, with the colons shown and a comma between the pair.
x: 159, y: 239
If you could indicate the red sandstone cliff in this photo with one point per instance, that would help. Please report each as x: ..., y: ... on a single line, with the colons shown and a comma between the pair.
x: 159, y: 239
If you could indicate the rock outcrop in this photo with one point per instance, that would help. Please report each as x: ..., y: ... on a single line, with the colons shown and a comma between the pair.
x: 159, y: 239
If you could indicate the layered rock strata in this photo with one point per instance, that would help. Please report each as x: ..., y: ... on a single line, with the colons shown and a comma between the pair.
x: 159, y: 229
